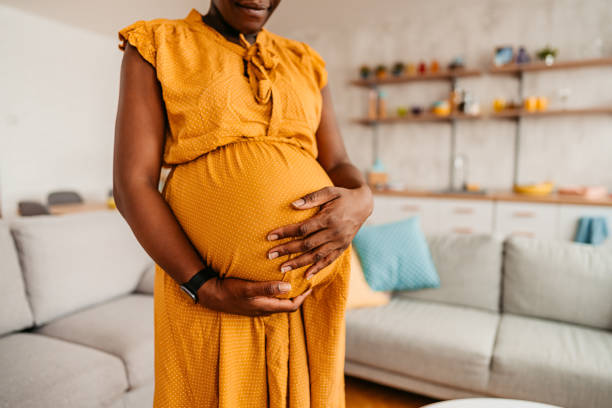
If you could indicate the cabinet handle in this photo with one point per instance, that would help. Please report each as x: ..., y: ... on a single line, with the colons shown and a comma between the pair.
x: 524, y: 233
x: 410, y: 208
x: 463, y: 210
x: 523, y: 214
x: 462, y: 230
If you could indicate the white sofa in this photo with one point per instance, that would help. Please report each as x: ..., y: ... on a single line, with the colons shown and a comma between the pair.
x: 525, y: 318
x: 76, y: 313
x: 76, y: 320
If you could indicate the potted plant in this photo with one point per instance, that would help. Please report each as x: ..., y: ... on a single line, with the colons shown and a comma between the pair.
x: 398, y: 69
x: 381, y: 71
x: 547, y: 54
x: 365, y: 71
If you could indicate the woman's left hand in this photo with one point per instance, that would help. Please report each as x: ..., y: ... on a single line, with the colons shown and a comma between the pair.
x: 324, y: 236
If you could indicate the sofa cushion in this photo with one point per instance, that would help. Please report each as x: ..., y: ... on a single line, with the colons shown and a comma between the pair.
x: 559, y: 280
x: 469, y: 267
x: 147, y: 281
x: 448, y: 345
x: 121, y: 327
x: 40, y: 372
x: 360, y: 294
x: 73, y: 261
x: 15, y: 313
x: 552, y: 362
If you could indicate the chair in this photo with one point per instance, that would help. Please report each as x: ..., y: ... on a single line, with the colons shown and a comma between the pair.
x: 64, y: 197
x: 29, y: 208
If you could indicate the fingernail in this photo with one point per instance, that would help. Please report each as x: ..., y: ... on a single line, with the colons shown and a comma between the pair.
x: 272, y: 255
x: 286, y: 268
x: 299, y: 203
x: 284, y: 287
x: 272, y: 237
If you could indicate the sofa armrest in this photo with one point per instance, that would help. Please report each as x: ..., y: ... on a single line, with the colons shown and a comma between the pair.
x: 147, y: 281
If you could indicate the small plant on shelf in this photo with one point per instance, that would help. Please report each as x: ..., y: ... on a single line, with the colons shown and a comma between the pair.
x: 548, y: 54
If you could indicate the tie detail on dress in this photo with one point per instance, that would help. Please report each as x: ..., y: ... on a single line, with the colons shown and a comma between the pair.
x: 261, y: 64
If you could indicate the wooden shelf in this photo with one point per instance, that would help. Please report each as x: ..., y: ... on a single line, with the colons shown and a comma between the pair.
x: 520, y: 113
x: 423, y: 117
x: 540, y: 66
x: 438, y: 76
x: 507, y: 114
x: 499, y: 196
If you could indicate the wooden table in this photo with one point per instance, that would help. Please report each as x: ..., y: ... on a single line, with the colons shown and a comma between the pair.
x: 488, y: 403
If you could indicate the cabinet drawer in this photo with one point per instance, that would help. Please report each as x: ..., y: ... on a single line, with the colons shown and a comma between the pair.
x: 390, y: 209
x: 570, y: 214
x: 530, y: 220
x: 466, y: 217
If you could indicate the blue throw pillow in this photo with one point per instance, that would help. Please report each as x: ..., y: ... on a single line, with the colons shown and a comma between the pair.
x: 395, y: 256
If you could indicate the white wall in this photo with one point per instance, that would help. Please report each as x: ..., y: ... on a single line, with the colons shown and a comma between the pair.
x: 60, y: 69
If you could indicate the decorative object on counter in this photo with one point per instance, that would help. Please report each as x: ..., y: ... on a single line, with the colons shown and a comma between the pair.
x: 548, y: 55
x: 531, y: 104
x: 472, y: 188
x: 454, y: 99
x: 402, y: 111
x: 416, y: 110
x: 542, y: 103
x: 460, y: 170
x: 434, y: 67
x: 503, y: 55
x: 377, y: 175
x: 365, y: 72
x: 467, y: 104
x: 382, y: 104
x: 372, y: 104
x: 441, y: 108
x: 411, y: 69
x: 456, y: 63
x: 522, y: 57
x: 499, y: 104
x: 592, y: 230
x: 538, y: 189
x: 422, y: 67
x: 588, y: 192
x: 398, y: 69
x: 381, y: 71
x: 110, y: 199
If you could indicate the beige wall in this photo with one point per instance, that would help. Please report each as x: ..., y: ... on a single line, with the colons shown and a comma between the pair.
x: 60, y: 77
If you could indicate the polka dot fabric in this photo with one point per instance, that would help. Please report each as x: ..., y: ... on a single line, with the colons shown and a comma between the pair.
x: 241, y: 150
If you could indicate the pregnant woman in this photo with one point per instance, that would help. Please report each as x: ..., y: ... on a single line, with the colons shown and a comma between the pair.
x: 256, y: 218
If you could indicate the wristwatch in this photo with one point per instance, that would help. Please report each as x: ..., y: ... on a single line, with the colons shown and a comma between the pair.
x: 195, y: 283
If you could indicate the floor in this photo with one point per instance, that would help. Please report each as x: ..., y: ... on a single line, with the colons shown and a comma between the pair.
x: 364, y: 394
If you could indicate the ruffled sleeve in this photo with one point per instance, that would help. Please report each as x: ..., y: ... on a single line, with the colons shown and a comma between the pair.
x: 318, y: 66
x: 140, y: 35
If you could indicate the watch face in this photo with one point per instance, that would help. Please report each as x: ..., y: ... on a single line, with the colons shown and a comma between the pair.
x: 187, y: 291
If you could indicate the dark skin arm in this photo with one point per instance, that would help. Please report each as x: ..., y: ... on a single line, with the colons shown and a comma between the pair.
x: 343, y: 207
x: 139, y: 136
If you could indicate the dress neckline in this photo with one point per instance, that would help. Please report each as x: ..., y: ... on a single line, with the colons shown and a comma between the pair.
x: 195, y: 17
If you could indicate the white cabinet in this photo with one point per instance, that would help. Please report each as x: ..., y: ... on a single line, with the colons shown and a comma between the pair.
x: 474, y: 216
x: 570, y: 214
x: 465, y: 217
x: 390, y: 208
x: 527, y: 219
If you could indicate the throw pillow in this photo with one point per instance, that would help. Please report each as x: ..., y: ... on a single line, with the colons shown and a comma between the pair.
x: 395, y: 256
x: 359, y: 292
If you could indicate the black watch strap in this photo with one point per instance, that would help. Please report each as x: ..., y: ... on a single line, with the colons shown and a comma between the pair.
x: 195, y: 283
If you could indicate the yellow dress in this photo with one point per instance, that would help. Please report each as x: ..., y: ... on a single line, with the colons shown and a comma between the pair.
x: 241, y: 144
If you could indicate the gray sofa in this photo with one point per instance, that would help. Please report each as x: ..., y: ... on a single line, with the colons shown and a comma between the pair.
x: 76, y: 320
x: 526, y: 319
x: 76, y: 313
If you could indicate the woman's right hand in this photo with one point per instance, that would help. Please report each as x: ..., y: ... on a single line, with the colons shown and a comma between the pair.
x: 249, y: 298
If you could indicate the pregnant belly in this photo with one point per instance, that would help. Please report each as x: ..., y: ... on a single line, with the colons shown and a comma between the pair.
x: 229, y: 199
